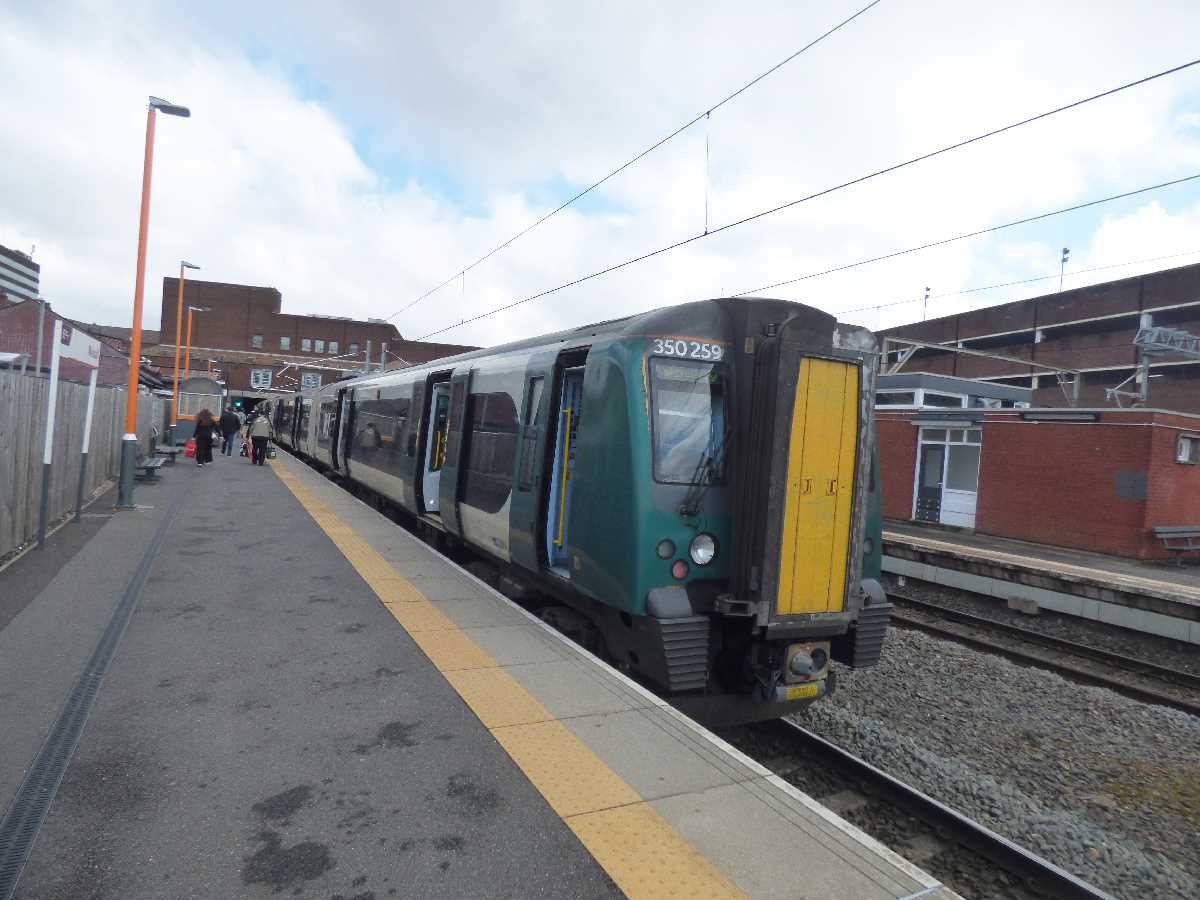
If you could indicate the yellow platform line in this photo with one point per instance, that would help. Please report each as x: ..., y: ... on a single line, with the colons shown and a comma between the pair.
x: 636, y: 846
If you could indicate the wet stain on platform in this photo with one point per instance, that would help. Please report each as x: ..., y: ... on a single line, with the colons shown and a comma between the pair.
x: 281, y: 867
x: 390, y: 736
x: 285, y: 804
x: 469, y: 794
x: 355, y: 628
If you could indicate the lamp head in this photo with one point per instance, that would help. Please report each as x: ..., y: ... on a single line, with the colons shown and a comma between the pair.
x: 169, y: 109
x: 184, y: 264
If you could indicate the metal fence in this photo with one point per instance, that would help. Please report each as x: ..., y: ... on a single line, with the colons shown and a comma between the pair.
x: 22, y: 437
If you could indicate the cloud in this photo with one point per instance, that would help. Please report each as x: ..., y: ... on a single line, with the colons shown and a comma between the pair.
x: 356, y: 158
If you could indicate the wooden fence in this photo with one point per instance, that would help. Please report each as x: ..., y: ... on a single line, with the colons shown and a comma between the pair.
x: 22, y: 440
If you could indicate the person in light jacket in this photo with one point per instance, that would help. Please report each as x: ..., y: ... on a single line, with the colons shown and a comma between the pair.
x: 260, y: 432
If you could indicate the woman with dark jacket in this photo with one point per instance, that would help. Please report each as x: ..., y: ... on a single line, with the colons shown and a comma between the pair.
x: 206, y: 426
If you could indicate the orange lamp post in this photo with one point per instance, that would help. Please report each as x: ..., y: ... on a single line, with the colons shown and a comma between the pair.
x: 130, y: 438
x: 178, y: 328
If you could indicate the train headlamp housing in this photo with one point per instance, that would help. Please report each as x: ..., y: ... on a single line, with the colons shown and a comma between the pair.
x: 868, y: 546
x: 665, y: 548
x: 703, y: 549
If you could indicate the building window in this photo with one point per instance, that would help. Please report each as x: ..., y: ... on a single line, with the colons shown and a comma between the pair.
x: 353, y: 348
x: 306, y: 345
x: 260, y: 379
x: 310, y: 380
x: 333, y: 346
x: 1188, y: 449
x: 285, y: 343
x: 942, y: 401
x: 896, y: 398
x: 320, y: 346
x: 256, y: 341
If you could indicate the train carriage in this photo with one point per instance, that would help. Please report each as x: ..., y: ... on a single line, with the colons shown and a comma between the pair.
x: 690, y: 490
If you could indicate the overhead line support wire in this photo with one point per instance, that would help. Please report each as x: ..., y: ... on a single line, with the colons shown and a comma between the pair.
x: 992, y: 287
x: 838, y: 187
x: 970, y: 234
x: 617, y: 171
x: 864, y: 262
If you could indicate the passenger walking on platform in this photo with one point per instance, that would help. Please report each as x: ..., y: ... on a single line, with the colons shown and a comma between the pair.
x: 206, y: 427
x: 230, y: 426
x: 260, y: 430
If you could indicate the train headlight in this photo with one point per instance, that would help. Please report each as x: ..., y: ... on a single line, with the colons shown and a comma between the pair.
x: 868, y: 547
x: 665, y: 548
x: 679, y: 570
x: 703, y: 549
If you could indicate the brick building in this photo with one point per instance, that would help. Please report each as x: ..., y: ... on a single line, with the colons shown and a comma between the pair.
x: 1090, y: 329
x: 19, y: 331
x: 259, y: 350
x: 1091, y: 479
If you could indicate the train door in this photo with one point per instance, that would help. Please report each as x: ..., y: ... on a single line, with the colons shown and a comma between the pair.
x: 456, y: 440
x: 558, y: 498
x: 341, y: 426
x: 438, y: 417
x: 929, y: 482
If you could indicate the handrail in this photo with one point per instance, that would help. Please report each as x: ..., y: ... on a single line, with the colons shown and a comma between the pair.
x: 566, y: 474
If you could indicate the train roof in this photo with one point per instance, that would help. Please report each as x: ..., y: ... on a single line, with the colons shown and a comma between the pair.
x: 664, y: 319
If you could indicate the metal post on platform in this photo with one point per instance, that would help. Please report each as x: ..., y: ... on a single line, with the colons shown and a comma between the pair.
x: 48, y: 448
x: 183, y: 264
x: 367, y: 358
x: 37, y: 366
x: 83, y: 453
x: 129, y: 439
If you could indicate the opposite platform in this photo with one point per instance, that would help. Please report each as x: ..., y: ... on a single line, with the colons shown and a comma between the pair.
x: 1154, y: 598
x: 309, y: 701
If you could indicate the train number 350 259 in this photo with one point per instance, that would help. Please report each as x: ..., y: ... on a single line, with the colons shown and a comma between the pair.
x: 688, y: 349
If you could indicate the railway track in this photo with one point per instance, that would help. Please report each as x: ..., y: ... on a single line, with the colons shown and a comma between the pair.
x: 1136, y: 678
x: 1025, y: 874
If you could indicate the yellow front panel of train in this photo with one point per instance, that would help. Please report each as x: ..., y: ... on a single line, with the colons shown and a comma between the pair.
x: 817, y: 513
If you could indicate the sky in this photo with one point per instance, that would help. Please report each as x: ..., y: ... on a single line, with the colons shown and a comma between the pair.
x: 356, y: 155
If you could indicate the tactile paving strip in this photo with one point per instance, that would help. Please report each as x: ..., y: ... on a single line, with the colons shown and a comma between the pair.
x: 639, y: 849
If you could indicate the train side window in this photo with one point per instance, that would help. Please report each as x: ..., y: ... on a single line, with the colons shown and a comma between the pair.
x: 531, y: 432
x: 490, y: 451
x: 454, y: 433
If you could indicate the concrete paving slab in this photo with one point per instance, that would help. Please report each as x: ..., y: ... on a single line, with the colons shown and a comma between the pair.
x: 268, y: 728
x: 568, y: 688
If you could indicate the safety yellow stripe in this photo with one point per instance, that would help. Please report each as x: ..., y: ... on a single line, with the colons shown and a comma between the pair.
x: 636, y: 846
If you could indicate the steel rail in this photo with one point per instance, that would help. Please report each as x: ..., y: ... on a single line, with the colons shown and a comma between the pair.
x: 1174, y: 677
x: 1041, y: 874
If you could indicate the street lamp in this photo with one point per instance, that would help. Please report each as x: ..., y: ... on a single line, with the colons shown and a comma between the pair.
x: 129, y: 440
x: 187, y: 353
x: 183, y: 264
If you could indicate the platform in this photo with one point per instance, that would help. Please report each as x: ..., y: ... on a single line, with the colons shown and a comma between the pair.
x: 308, y: 701
x: 1154, y: 597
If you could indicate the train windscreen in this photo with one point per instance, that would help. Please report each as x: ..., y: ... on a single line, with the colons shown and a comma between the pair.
x: 688, y: 421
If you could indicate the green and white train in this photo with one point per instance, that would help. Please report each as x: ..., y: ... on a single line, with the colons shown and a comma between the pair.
x: 691, y: 492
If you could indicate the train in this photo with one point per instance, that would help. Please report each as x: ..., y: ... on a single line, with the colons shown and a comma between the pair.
x: 691, y: 492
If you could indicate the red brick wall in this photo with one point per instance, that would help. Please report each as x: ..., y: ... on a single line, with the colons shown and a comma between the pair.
x: 238, y: 311
x: 1174, y: 494
x: 897, y: 441
x: 1098, y: 486
x: 1057, y: 483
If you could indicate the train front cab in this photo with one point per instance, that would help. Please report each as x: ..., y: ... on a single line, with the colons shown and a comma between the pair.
x: 789, y: 521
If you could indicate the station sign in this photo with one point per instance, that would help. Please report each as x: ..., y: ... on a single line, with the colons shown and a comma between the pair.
x: 78, y: 346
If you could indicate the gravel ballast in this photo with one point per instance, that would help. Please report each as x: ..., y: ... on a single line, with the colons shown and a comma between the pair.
x: 1104, y: 786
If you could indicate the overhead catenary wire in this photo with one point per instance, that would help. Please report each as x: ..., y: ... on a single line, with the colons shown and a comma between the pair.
x: 644, y: 153
x: 1019, y: 281
x: 822, y: 193
x: 949, y: 240
x: 969, y: 234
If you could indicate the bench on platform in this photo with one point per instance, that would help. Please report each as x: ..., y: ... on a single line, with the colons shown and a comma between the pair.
x: 168, y: 454
x: 1179, y: 539
x: 149, y: 468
